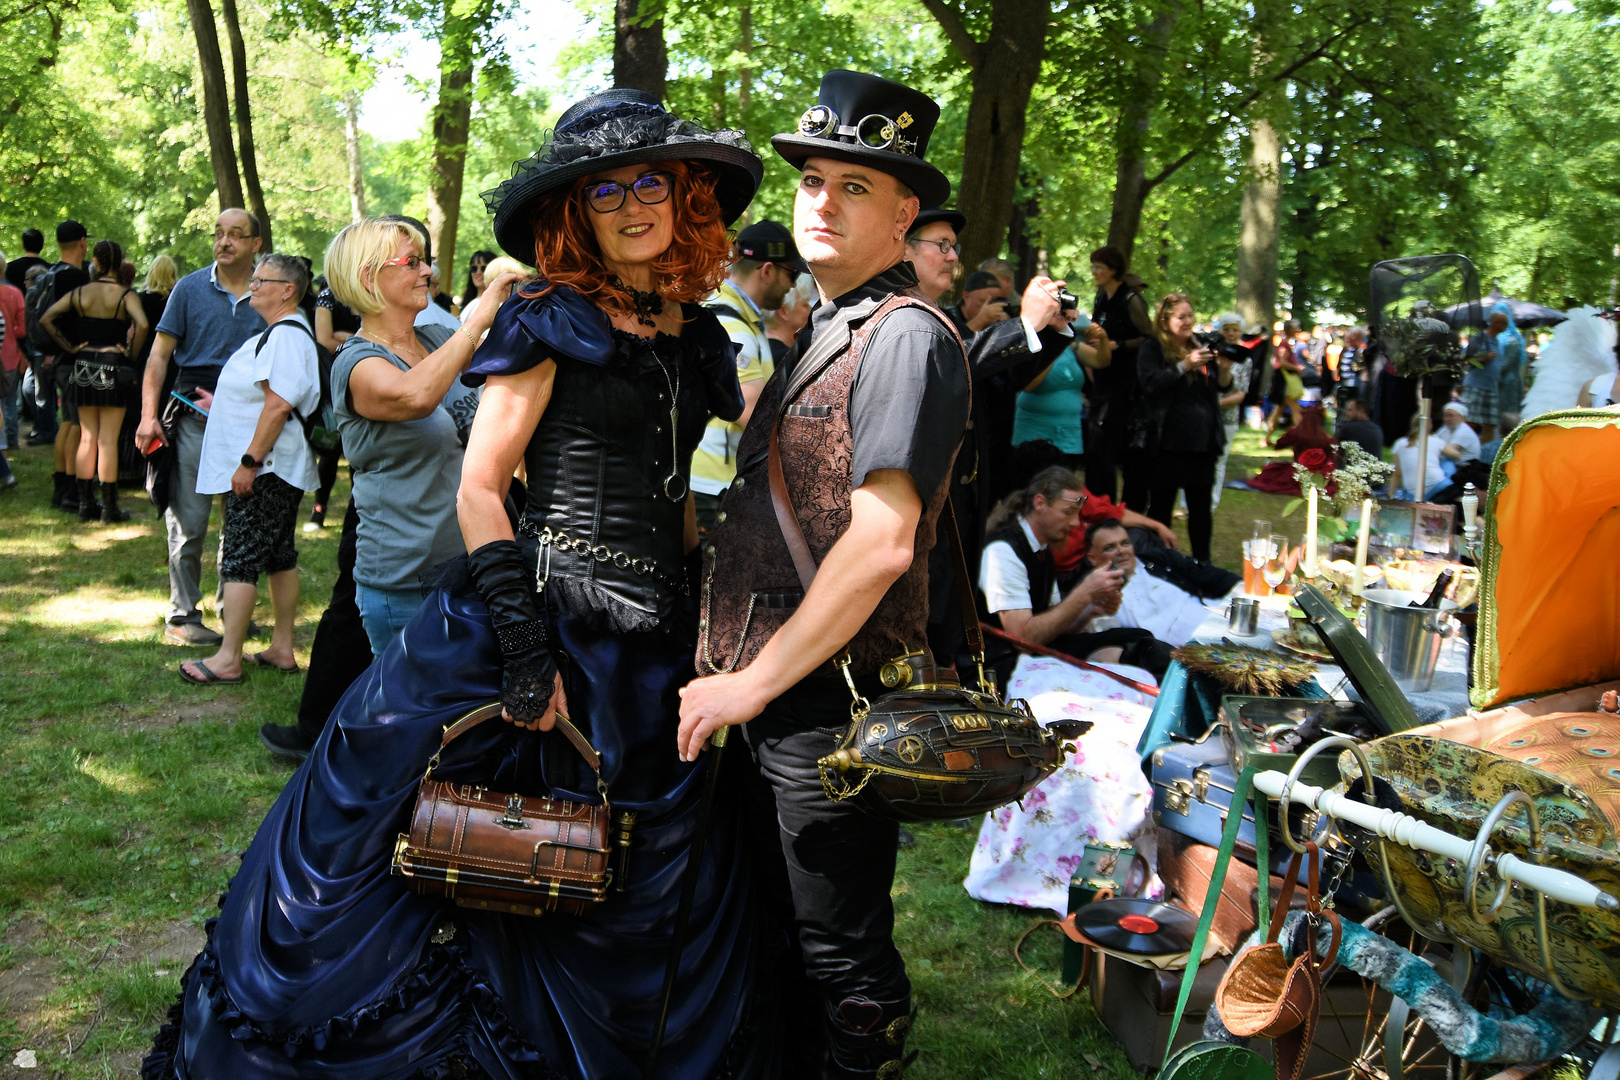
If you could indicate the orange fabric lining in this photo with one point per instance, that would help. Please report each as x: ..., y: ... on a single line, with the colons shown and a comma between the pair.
x: 1557, y: 582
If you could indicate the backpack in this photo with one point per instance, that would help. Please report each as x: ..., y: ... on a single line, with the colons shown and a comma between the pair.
x: 320, y: 427
x: 39, y: 301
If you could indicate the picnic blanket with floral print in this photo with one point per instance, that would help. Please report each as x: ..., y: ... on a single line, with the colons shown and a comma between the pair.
x: 1027, y: 854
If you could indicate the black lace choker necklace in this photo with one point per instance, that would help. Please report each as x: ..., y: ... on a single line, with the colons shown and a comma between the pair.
x: 647, y: 304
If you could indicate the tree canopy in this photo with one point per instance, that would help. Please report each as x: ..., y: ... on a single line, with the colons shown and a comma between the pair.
x: 1402, y: 126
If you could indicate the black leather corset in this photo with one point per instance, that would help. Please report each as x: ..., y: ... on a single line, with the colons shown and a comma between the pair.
x: 604, y: 521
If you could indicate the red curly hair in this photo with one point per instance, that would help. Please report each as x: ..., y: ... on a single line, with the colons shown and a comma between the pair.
x: 566, y: 252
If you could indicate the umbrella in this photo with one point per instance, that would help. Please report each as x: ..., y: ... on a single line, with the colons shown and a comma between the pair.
x: 1525, y: 314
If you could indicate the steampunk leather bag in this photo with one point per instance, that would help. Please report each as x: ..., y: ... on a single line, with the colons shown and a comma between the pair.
x: 931, y: 749
x: 501, y: 852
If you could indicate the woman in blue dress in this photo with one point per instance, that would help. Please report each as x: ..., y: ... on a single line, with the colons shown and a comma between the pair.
x: 600, y: 377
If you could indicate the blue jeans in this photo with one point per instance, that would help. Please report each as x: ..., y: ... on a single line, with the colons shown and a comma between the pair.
x: 384, y: 612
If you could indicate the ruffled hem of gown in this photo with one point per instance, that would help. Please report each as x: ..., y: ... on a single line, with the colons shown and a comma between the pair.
x: 442, y: 965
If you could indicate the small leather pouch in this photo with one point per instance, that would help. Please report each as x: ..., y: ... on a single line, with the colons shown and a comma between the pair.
x: 1264, y: 993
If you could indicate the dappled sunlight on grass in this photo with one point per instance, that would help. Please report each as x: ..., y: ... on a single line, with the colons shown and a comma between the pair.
x: 120, y: 780
x: 115, y: 614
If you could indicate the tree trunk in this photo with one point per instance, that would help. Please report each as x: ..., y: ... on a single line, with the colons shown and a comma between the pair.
x: 1004, y: 69
x: 745, y: 46
x: 216, y: 105
x: 452, y: 116
x: 1023, y: 245
x: 244, y: 124
x: 1257, y: 241
x: 1131, y: 185
x: 640, y: 60
x: 357, y: 178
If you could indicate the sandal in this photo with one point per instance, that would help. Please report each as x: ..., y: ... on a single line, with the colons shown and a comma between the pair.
x: 208, y: 677
x: 259, y: 659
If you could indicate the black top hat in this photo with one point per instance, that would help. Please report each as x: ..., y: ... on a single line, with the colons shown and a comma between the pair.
x: 871, y: 121
x: 608, y: 131
x: 770, y: 241
x: 954, y: 218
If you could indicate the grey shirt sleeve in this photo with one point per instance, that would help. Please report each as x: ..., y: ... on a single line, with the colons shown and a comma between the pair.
x: 909, y: 403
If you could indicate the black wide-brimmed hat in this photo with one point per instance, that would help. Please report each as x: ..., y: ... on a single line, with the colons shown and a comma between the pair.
x: 872, y: 121
x: 608, y: 131
x: 954, y: 218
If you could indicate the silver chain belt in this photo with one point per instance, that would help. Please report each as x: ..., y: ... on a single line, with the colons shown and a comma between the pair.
x: 578, y: 545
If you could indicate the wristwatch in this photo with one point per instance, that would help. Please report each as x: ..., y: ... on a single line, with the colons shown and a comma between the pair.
x: 249, y: 463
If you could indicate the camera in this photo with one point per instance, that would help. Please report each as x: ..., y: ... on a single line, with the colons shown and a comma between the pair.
x: 1067, y: 302
x: 1216, y: 342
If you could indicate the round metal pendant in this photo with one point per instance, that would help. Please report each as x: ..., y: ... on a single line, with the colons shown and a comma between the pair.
x: 674, y: 487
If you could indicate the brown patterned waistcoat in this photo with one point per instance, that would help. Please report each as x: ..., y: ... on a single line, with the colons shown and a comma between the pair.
x: 750, y: 586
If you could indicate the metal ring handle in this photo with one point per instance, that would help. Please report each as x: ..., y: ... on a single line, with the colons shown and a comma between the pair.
x: 1340, y: 742
x: 1482, y: 844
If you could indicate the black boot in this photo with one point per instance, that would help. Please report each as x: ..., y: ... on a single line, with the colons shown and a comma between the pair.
x: 89, y: 509
x: 69, y: 502
x: 867, y: 1039
x: 110, y: 514
x: 58, y: 486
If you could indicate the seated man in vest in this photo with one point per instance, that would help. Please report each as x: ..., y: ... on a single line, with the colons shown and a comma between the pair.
x: 1018, y: 577
x: 1149, y: 601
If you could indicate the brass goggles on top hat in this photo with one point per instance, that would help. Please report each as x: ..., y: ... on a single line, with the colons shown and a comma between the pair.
x: 874, y: 131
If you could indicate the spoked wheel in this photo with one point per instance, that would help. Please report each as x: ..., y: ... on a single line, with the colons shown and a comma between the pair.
x: 1367, y: 1034
x: 1372, y: 1035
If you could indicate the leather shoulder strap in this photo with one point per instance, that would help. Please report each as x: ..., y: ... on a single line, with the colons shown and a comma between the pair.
x: 787, y: 519
x: 493, y: 710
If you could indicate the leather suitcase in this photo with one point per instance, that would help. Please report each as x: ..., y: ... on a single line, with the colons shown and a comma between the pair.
x: 1185, y: 867
x: 1192, y: 792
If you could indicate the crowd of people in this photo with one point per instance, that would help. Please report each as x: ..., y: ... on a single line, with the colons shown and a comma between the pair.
x: 569, y: 481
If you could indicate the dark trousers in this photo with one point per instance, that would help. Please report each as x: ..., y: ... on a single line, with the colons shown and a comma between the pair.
x: 827, y: 870
x: 1138, y: 647
x: 1105, y: 438
x: 45, y: 423
x: 1195, y: 474
x: 341, y: 651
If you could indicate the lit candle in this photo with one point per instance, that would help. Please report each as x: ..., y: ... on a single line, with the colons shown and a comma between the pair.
x: 1309, y: 567
x: 1361, y: 546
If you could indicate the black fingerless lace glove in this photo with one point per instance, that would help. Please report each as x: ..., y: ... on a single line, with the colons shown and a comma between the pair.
x: 530, y: 674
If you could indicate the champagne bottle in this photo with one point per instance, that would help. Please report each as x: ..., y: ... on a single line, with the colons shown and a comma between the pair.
x: 1438, y: 593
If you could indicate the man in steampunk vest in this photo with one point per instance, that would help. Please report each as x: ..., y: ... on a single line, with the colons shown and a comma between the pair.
x: 859, y: 425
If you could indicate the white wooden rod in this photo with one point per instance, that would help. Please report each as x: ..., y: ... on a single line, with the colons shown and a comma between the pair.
x: 1409, y: 832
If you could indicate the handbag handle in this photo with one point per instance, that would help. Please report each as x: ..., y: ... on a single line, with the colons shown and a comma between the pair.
x: 493, y: 709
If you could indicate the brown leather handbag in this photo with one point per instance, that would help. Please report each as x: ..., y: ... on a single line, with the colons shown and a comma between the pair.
x: 1262, y: 993
x: 930, y: 750
x: 499, y: 852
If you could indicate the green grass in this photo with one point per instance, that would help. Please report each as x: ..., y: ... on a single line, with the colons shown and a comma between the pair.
x: 130, y: 795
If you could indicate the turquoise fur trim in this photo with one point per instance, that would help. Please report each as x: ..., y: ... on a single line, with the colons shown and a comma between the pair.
x: 1545, y: 1032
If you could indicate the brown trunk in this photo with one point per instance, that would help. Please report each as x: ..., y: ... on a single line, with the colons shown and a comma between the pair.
x: 452, y: 115
x: 640, y: 60
x: 244, y: 124
x: 1257, y: 240
x: 216, y: 105
x: 1131, y: 184
x: 745, y: 46
x: 1023, y: 247
x: 1008, y: 63
x: 357, y: 178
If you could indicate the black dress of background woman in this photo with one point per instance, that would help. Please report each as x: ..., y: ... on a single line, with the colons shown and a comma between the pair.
x: 1182, y: 414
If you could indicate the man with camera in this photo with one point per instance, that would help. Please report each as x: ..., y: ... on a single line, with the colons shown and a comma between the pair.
x: 1004, y: 357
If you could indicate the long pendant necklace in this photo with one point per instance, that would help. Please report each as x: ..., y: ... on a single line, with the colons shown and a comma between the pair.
x: 674, y: 483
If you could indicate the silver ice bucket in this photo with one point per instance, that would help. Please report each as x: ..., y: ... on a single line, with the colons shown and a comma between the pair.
x: 1407, y: 639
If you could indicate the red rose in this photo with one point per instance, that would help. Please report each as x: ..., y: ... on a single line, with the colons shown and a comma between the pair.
x: 1317, y: 461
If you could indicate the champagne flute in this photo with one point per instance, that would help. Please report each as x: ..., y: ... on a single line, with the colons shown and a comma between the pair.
x: 1259, y: 546
x: 1276, y: 567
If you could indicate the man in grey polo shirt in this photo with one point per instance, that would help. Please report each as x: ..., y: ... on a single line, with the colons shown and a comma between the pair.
x: 206, y: 320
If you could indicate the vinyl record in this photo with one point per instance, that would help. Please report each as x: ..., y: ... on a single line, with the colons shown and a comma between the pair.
x: 1140, y: 927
